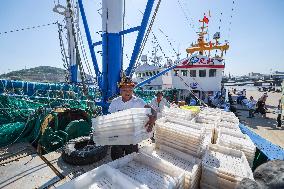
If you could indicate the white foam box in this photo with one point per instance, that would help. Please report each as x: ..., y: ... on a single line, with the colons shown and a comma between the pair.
x: 121, y: 128
x: 224, y: 167
x: 122, y: 139
x: 189, y: 164
x: 177, y: 112
x: 179, y: 122
x: 150, y: 171
x: 133, y: 114
x: 101, y: 178
x: 237, y: 141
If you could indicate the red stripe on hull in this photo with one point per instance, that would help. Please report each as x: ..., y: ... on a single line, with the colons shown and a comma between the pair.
x: 201, y: 66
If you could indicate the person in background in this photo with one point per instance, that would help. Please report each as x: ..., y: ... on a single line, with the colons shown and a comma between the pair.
x: 192, y: 102
x: 244, y: 92
x: 251, y: 106
x: 261, y: 106
x: 279, y: 112
x: 126, y: 101
x: 175, y: 99
x: 187, y: 99
x: 230, y: 98
x: 158, y: 103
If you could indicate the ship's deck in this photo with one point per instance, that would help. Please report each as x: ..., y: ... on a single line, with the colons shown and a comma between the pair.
x: 21, y: 167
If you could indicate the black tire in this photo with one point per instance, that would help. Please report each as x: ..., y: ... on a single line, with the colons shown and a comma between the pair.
x: 83, y: 151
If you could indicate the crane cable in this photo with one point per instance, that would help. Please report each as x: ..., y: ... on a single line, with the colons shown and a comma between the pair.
x: 167, y: 37
x: 29, y: 28
x: 190, y: 87
x: 201, y: 101
x: 63, y: 53
x: 82, y: 46
x: 156, y: 39
x: 78, y: 58
x: 147, y: 33
x: 186, y: 17
x: 231, y: 18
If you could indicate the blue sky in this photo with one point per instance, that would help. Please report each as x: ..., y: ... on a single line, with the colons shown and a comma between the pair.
x: 256, y: 37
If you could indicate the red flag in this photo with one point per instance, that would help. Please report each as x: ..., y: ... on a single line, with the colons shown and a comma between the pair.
x: 210, y: 44
x: 206, y: 20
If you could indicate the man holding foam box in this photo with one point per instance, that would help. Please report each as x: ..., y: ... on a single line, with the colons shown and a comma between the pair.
x: 126, y: 101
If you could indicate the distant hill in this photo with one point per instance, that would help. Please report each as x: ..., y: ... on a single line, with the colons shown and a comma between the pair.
x: 39, y: 74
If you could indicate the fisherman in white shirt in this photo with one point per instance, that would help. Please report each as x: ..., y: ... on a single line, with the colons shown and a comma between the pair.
x: 126, y: 101
x: 158, y: 103
x: 251, y: 104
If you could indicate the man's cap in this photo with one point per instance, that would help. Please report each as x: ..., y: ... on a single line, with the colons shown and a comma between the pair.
x: 126, y: 81
x: 159, y: 93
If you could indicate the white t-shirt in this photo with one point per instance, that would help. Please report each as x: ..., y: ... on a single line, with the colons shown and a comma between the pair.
x: 117, y: 104
x: 158, y: 107
x: 251, y: 104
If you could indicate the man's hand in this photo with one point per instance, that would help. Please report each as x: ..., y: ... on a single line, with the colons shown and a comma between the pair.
x: 152, y: 118
x: 150, y: 124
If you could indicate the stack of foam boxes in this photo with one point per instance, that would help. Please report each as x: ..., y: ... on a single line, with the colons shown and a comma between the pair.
x: 187, y: 139
x: 190, y: 165
x: 150, y: 171
x: 223, y: 168
x: 121, y: 128
x: 237, y: 141
x: 180, y: 143
x: 132, y: 171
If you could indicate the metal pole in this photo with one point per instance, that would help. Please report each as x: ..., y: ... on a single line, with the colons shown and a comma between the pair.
x: 71, y: 47
x: 140, y: 36
x: 89, y: 38
x: 159, y: 74
x: 112, y: 16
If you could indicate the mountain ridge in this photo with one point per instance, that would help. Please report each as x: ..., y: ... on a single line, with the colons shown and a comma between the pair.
x: 37, y: 74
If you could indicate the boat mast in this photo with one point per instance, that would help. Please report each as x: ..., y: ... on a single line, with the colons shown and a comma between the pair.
x: 67, y: 13
x: 112, y: 55
x: 112, y: 19
x: 202, y: 45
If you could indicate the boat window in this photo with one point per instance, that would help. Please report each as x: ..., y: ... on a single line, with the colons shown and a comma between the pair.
x: 212, y: 73
x: 158, y: 72
x: 184, y: 72
x: 143, y: 74
x: 147, y: 74
x: 139, y: 75
x: 192, y: 73
x: 150, y: 73
x: 202, y: 73
x: 176, y: 73
x: 154, y: 72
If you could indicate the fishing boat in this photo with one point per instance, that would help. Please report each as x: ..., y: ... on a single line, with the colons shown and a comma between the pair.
x: 39, y: 119
x: 200, y: 72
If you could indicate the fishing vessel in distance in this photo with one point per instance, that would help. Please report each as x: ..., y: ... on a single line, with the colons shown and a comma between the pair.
x: 201, y: 72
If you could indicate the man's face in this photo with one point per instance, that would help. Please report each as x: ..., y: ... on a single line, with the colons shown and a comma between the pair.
x: 159, y: 97
x: 126, y: 92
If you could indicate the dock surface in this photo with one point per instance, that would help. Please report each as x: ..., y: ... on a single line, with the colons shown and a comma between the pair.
x: 265, y: 127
